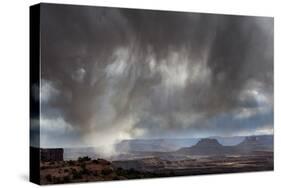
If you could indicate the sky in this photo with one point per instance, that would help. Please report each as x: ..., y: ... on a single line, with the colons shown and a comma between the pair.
x: 109, y: 74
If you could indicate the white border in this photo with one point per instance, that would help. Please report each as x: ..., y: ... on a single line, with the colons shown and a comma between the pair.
x: 14, y: 84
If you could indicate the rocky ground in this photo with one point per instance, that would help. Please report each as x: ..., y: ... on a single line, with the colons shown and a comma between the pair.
x: 85, y: 169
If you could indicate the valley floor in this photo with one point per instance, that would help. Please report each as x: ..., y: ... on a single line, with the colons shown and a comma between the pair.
x: 86, y: 169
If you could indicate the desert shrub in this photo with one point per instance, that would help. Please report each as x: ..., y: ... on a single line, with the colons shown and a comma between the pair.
x: 103, y: 162
x: 80, y: 159
x: 95, y: 161
x: 66, y: 170
x: 49, y: 177
x: 57, y: 180
x: 70, y: 163
x: 115, y: 178
x: 84, y: 170
x: 66, y: 179
x: 83, y: 159
x: 106, y: 171
x: 83, y: 165
x: 120, y: 171
x: 73, y: 170
x: 95, y: 173
x: 76, y: 174
x: 131, y: 174
x: 132, y: 171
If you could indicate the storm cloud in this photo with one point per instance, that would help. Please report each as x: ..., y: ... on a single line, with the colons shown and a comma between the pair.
x: 111, y: 74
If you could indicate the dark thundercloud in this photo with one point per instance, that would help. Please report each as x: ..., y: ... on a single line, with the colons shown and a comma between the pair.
x: 110, y: 74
